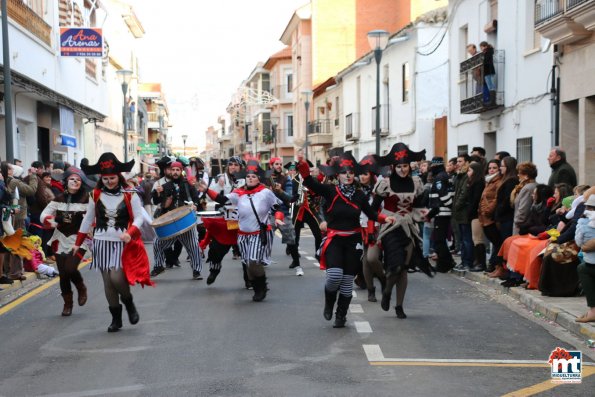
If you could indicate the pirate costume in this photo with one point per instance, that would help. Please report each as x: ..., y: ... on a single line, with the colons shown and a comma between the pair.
x: 402, y: 197
x: 255, y: 235
x: 65, y: 214
x: 342, y: 249
x: 371, y: 263
x: 181, y: 194
x: 221, y: 241
x: 116, y: 212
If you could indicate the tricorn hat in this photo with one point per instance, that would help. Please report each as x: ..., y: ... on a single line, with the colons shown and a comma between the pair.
x: 344, y: 162
x: 369, y: 164
x: 76, y: 171
x: 108, y: 164
x: 292, y: 165
x: 401, y: 154
x: 252, y: 167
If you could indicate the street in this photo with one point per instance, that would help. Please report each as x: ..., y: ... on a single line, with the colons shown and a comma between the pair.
x: 195, y: 339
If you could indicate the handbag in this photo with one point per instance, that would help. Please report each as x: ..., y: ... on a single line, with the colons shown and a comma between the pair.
x: 563, y: 253
x: 263, y: 227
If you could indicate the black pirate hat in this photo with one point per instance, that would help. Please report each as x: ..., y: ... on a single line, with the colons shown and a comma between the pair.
x: 344, y: 162
x: 108, y: 164
x: 369, y: 164
x: 401, y: 154
x: 291, y: 165
x: 77, y: 171
x: 252, y: 167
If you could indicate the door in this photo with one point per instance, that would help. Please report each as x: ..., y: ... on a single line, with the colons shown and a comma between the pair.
x: 43, y: 144
x: 441, y: 137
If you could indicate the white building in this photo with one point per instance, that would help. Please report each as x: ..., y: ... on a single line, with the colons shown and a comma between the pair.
x: 521, y: 123
x: 413, y: 93
x: 52, y: 96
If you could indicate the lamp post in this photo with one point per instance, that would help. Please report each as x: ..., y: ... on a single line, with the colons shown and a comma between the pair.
x: 184, y: 137
x: 306, y: 95
x: 274, y: 124
x: 378, y: 40
x: 124, y: 76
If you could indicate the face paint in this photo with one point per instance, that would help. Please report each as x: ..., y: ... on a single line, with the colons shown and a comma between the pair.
x: 402, y: 170
x: 74, y: 182
x: 110, y: 181
x: 346, y: 178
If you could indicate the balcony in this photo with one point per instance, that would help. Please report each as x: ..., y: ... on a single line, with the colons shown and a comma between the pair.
x: 565, y: 21
x: 320, y: 132
x: 352, y: 127
x: 475, y: 95
x: 282, y: 93
x: 153, y: 120
x: 27, y: 18
x: 384, y: 120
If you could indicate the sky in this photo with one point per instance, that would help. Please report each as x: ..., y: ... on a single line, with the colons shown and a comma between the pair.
x: 201, y: 51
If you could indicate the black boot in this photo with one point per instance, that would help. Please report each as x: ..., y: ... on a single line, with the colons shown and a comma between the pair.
x: 133, y: 316
x: 247, y: 282
x: 212, y: 276
x: 295, y: 255
x: 329, y: 304
x: 116, y: 324
x: 341, y: 313
x: 385, y: 302
x: 372, y: 294
x: 260, y: 288
x: 479, y: 264
x: 400, y: 312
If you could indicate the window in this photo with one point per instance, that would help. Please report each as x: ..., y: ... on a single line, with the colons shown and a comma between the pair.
x: 524, y: 149
x: 289, y: 81
x: 405, y: 78
x: 462, y: 149
x: 289, y: 124
x: 266, y: 82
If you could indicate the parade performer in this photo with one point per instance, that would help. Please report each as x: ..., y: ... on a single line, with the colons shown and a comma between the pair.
x: 118, y: 251
x: 220, y: 243
x: 278, y: 182
x: 255, y: 236
x: 178, y: 193
x: 306, y: 209
x: 172, y: 254
x: 402, y: 196
x: 65, y: 215
x: 342, y: 250
x: 369, y: 169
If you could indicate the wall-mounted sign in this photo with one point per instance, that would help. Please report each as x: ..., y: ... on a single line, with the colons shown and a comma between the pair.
x: 67, y: 140
x: 81, y: 42
x: 149, y: 148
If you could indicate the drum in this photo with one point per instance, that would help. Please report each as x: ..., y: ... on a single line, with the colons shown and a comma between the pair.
x: 206, y: 214
x: 175, y: 222
x: 220, y: 230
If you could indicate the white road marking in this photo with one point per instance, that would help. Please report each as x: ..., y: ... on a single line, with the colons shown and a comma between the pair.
x: 310, y: 258
x: 363, y: 327
x: 101, y: 392
x: 303, y: 252
x: 354, y: 294
x: 316, y: 264
x: 373, y: 353
x: 356, y: 308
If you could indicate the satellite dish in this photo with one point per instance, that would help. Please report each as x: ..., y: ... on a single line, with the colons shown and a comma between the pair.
x: 545, y: 44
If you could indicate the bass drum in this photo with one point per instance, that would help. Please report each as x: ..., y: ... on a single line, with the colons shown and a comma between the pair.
x: 175, y: 222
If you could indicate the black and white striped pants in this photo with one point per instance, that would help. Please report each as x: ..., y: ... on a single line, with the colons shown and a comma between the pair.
x: 107, y: 254
x: 253, y: 251
x: 188, y: 239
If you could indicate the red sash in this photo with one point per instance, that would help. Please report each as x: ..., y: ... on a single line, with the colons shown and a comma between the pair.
x: 330, y: 234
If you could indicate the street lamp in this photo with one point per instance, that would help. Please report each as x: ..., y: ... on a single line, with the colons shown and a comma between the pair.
x: 124, y: 77
x: 378, y: 40
x: 306, y: 95
x: 184, y: 137
x: 274, y: 124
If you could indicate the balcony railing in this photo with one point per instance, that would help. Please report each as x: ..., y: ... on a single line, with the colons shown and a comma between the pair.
x: 322, y: 126
x: 28, y: 19
x: 476, y: 96
x: 550, y: 9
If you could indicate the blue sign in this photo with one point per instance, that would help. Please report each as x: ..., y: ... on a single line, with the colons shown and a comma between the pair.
x: 67, y: 140
x: 81, y: 42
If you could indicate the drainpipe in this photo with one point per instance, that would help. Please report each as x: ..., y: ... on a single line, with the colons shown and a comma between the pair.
x: 555, y: 110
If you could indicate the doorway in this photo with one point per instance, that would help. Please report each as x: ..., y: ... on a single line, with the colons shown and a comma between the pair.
x: 43, y: 144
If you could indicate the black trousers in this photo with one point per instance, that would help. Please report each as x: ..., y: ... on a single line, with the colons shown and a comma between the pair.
x: 445, y: 261
x: 69, y: 273
x: 314, y: 227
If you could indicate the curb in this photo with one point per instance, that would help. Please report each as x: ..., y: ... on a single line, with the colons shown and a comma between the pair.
x: 8, y: 289
x: 548, y: 310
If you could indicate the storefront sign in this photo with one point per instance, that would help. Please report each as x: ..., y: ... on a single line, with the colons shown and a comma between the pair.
x: 149, y: 148
x: 67, y: 140
x: 81, y: 42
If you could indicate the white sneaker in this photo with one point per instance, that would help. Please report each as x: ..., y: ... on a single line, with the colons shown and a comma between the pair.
x: 299, y: 271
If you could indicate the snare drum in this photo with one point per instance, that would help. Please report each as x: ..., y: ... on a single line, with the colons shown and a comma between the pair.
x: 175, y: 222
x: 206, y: 214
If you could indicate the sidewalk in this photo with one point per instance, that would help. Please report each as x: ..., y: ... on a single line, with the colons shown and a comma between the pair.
x: 10, y: 292
x: 562, y: 311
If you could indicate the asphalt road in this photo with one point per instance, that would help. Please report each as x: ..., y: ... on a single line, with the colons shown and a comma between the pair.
x: 201, y: 340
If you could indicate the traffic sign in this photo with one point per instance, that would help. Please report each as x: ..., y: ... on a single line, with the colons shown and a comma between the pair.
x: 149, y: 148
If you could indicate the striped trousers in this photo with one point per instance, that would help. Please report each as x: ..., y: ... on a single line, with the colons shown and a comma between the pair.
x: 253, y: 251
x: 188, y: 239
